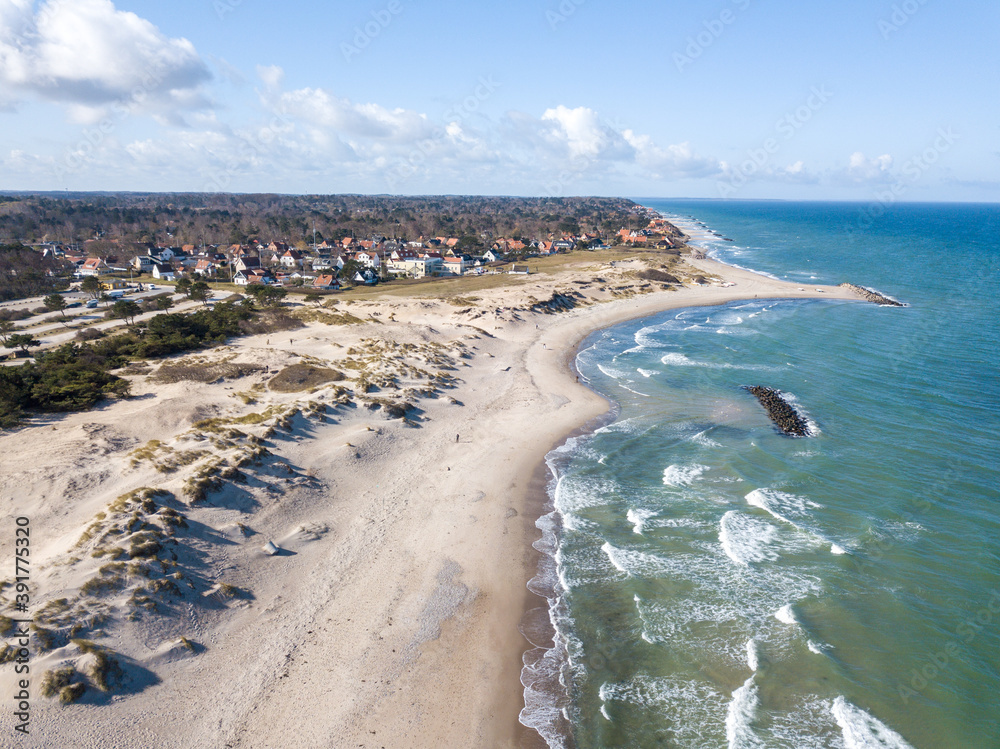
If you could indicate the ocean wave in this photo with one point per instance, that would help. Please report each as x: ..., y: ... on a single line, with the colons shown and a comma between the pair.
x: 574, y: 493
x: 862, y: 730
x: 740, y: 715
x: 675, y: 359
x: 788, y: 508
x: 746, y: 539
x: 794, y: 510
x: 639, y: 518
x: 636, y: 563
x: 694, y: 707
x: 682, y: 475
x: 703, y: 439
x: 753, y: 654
x: 646, y: 372
x: 819, y: 648
x: 786, y: 615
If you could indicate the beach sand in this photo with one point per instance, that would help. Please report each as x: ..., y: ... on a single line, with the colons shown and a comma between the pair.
x: 390, y: 619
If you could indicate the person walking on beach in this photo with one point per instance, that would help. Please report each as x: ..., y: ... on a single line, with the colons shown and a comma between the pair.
x: 456, y: 438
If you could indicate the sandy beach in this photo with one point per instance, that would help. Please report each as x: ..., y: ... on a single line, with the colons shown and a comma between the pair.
x: 390, y: 617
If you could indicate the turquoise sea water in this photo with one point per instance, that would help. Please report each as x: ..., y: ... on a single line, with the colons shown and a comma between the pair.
x: 716, y: 584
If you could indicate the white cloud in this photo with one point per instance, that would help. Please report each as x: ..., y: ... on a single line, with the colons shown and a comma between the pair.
x: 319, y: 107
x: 89, y: 55
x: 861, y: 168
x: 584, y: 134
x: 678, y: 160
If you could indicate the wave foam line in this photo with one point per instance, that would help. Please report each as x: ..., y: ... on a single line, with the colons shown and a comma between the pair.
x: 682, y: 475
x: 864, y: 731
x: 740, y: 717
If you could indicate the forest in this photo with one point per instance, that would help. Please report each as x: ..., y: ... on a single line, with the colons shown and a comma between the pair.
x: 215, y: 219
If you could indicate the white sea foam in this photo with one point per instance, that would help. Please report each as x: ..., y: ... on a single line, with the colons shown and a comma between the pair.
x: 747, y: 539
x: 691, y: 705
x: 636, y: 563
x: 788, y: 508
x: 794, y: 510
x: 812, y: 428
x: 682, y: 475
x: 702, y: 439
x: 786, y: 615
x: 864, y: 731
x: 819, y: 648
x: 647, y: 372
x: 753, y: 656
x: 638, y: 519
x: 740, y: 716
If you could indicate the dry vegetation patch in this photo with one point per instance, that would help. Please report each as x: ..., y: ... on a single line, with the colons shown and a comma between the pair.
x: 298, y: 377
x: 204, y: 371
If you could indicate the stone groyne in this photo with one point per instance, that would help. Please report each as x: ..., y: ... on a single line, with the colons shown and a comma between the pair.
x: 870, y: 295
x: 785, y: 417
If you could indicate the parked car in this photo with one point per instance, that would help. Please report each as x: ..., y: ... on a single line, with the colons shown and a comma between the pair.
x: 91, y: 304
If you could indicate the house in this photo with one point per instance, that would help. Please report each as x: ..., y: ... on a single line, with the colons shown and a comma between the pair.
x: 492, y: 256
x: 94, y: 266
x: 366, y: 257
x: 562, y: 245
x: 255, y: 276
x: 205, y: 267
x: 291, y: 259
x: 142, y: 263
x: 246, y: 263
x: 412, y: 266
x: 367, y: 276
x: 326, y: 283
x: 163, y: 272
x: 323, y: 262
x: 454, y: 266
x: 518, y: 270
x: 277, y: 248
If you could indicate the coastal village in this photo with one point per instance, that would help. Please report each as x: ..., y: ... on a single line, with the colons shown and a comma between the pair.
x: 350, y: 260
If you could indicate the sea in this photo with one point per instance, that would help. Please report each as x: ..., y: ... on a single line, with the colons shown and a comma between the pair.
x: 714, y: 583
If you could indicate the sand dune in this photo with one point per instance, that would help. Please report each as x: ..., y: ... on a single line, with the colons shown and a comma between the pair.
x: 404, y: 516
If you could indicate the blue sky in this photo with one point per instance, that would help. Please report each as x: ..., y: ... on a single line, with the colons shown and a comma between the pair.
x: 853, y: 100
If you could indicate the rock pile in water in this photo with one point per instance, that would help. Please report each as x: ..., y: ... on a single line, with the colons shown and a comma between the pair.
x: 870, y: 295
x: 781, y: 412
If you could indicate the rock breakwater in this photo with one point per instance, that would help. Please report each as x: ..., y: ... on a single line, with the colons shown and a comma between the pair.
x: 870, y: 295
x: 781, y: 412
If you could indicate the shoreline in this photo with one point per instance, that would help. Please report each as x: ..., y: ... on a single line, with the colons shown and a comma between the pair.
x: 394, y: 614
x: 570, y: 335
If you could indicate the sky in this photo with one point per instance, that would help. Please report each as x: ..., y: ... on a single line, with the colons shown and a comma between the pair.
x: 872, y: 100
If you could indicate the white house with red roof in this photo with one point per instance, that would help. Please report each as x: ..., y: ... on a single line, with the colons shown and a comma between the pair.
x: 291, y: 259
x: 94, y: 266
